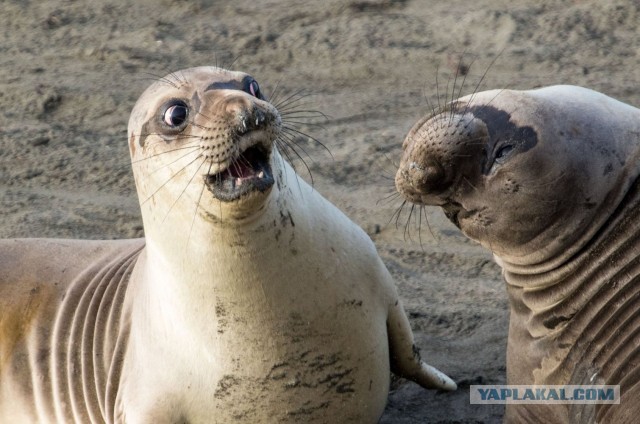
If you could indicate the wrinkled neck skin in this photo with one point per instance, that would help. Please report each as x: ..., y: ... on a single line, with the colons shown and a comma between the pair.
x: 578, y: 323
x: 574, y: 289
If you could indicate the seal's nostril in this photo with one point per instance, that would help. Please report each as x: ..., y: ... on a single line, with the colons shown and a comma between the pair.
x: 243, y: 127
x: 260, y: 118
x: 251, y: 120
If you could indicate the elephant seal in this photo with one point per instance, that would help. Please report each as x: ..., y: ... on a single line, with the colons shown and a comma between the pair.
x: 251, y: 299
x: 547, y: 179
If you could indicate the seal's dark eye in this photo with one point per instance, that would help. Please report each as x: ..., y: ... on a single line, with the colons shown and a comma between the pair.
x: 254, y: 89
x: 504, y: 151
x: 176, y: 114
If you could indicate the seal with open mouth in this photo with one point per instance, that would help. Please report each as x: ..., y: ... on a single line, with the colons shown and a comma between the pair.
x: 252, y: 299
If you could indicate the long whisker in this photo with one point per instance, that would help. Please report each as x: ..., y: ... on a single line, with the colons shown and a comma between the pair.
x: 291, y: 129
x: 438, y: 89
x: 154, y: 77
x: 195, y: 211
x: 292, y: 149
x: 164, y: 153
x: 397, y: 213
x: 291, y: 99
x: 389, y: 198
x: 170, y: 178
x: 426, y: 219
x: 204, y: 160
x: 484, y: 75
x: 285, y: 150
x: 172, y: 162
x: 406, y: 225
x: 275, y: 92
x: 420, y: 227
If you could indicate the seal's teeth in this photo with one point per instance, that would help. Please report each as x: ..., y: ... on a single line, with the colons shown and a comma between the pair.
x: 238, y: 182
x: 261, y: 174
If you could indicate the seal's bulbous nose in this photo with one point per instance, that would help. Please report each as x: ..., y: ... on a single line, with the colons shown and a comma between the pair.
x: 428, y: 177
x: 423, y: 180
x: 435, y: 156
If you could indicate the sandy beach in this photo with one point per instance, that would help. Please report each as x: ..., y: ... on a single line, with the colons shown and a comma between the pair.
x: 70, y: 72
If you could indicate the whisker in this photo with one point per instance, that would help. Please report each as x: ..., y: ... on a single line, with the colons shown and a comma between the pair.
x: 438, y: 88
x: 170, y: 178
x: 284, y: 149
x: 389, y: 198
x: 172, y: 162
x: 298, y: 155
x: 426, y: 219
x: 484, y: 75
x: 291, y: 129
x: 314, y: 124
x: 291, y: 99
x: 275, y: 92
x: 158, y: 78
x: 195, y: 212
x: 465, y: 75
x: 203, y: 115
x: 397, y: 213
x: 164, y: 153
x: 420, y: 227
x: 204, y: 160
x: 295, y: 107
x: 291, y: 141
x: 453, y: 89
x: 303, y: 113
x: 406, y: 225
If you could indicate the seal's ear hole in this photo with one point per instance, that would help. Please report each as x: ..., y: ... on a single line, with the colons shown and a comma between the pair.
x: 175, y: 114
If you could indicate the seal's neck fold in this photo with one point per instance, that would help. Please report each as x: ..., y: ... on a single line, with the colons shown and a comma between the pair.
x: 566, y: 312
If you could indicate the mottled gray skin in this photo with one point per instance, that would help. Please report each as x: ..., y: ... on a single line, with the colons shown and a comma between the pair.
x: 547, y: 180
x: 252, y: 299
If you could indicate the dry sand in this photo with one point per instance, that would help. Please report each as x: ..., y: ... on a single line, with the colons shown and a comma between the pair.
x: 70, y: 72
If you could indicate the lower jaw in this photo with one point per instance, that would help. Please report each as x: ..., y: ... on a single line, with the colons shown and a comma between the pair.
x: 228, y: 191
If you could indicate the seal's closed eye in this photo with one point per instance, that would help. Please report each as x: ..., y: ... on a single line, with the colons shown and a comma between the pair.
x: 503, y: 151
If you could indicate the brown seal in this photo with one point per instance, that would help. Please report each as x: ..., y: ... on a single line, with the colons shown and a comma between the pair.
x: 547, y: 180
x: 251, y: 299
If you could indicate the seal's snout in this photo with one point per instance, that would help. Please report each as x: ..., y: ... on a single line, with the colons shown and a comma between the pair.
x: 435, y: 156
x: 240, y: 165
x: 428, y: 177
x: 422, y: 179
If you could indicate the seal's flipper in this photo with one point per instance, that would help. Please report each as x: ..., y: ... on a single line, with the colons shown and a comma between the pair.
x: 405, y: 357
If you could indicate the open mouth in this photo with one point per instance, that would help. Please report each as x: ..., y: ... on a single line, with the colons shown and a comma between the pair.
x: 248, y: 173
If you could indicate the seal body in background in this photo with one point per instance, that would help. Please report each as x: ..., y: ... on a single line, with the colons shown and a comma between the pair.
x: 251, y: 298
x: 547, y: 179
